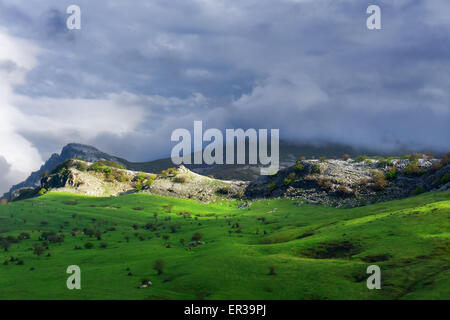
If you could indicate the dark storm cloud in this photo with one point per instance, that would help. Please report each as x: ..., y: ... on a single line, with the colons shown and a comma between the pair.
x: 310, y: 68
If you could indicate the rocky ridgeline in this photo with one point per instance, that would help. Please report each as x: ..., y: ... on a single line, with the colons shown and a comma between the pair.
x: 352, y: 183
x: 101, y: 179
x: 336, y: 183
x: 70, y: 151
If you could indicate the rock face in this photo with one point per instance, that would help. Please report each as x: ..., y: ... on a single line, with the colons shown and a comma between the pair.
x: 71, y: 151
x: 350, y: 183
x: 181, y: 183
x: 330, y: 182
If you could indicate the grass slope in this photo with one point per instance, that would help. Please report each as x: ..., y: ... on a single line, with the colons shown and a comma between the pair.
x: 317, y: 252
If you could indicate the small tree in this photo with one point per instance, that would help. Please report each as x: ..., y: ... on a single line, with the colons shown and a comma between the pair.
x: 182, y: 241
x: 89, y: 245
x: 159, y: 266
x: 5, y: 244
x: 197, y: 236
x: 38, y: 249
x: 272, y: 271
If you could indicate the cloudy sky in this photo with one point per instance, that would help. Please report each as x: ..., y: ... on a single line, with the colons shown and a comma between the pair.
x: 139, y: 69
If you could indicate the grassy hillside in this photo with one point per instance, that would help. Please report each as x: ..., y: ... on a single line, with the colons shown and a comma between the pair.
x: 315, y: 252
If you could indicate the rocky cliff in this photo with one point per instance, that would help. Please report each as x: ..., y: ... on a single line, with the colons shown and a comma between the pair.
x: 70, y: 151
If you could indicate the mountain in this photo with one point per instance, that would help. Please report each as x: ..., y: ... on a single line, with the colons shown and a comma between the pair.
x: 70, y: 151
x: 289, y: 152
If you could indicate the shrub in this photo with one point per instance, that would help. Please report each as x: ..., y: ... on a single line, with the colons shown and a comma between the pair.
x: 138, y: 187
x: 364, y: 182
x: 103, y: 245
x: 445, y: 159
x: 391, y: 174
x: 197, y: 236
x: 445, y: 178
x: 81, y: 166
x: 418, y: 191
x: 316, y: 169
x: 436, y: 166
x: 385, y: 162
x: 343, y: 190
x: 272, y: 187
x: 42, y: 191
x: 380, y: 184
x: 89, y: 245
x: 150, y: 181
x: 272, y: 271
x: 345, y: 156
x: 379, y: 180
x: 324, y: 184
x: 140, y: 177
x: 322, y: 159
x: 38, y: 249
x: 413, y: 169
x: 159, y: 266
x: 287, y: 181
x: 180, y: 179
x: 299, y: 167
x: 107, y: 163
x: 361, y: 158
x: 292, y: 176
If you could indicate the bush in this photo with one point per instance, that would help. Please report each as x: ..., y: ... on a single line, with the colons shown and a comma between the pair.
x: 418, y: 191
x: 103, y: 245
x: 364, y: 182
x: 197, y: 236
x: 89, y: 245
x: 287, y: 181
x: 445, y: 178
x: 107, y: 163
x: 413, y: 169
x: 42, y: 191
x: 272, y: 271
x: 445, y: 159
x: 386, y: 161
x: 345, y: 157
x: 322, y: 159
x: 272, y: 187
x: 299, y: 167
x: 316, y: 169
x: 150, y: 181
x: 343, y: 190
x: 159, y: 266
x: 379, y: 180
x: 180, y: 179
x: 361, y: 158
x: 324, y: 184
x: 81, y: 166
x: 391, y: 174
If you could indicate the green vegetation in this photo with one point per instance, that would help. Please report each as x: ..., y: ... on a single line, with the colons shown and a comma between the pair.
x: 272, y: 249
x: 391, y: 174
x: 361, y: 158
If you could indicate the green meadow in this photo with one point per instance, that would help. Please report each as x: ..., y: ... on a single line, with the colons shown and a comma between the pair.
x: 271, y: 249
